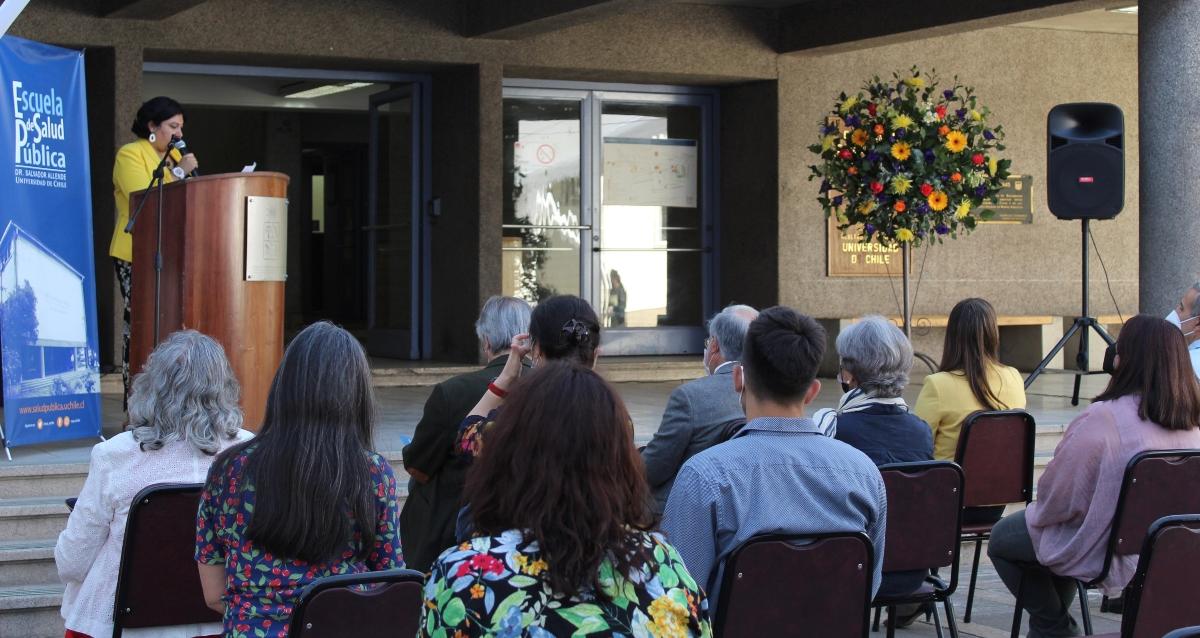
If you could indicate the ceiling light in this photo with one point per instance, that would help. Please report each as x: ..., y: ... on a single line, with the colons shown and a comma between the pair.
x: 307, y: 90
x: 1130, y: 10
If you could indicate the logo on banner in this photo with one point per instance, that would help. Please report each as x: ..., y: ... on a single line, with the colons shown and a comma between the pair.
x: 41, y: 134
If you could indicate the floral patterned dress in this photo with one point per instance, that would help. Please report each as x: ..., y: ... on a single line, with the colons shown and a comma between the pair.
x: 495, y: 586
x: 261, y: 589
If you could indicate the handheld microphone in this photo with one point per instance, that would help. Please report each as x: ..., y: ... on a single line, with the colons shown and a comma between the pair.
x: 178, y: 144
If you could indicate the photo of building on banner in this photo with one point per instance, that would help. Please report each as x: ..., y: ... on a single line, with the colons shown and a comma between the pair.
x: 48, y: 340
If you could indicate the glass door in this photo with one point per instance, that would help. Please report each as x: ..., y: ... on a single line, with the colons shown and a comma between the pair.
x: 394, y: 228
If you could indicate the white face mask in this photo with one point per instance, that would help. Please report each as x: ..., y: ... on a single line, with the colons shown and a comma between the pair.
x: 1173, y: 318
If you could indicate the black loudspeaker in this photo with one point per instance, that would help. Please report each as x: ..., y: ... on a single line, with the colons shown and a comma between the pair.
x: 1085, y: 167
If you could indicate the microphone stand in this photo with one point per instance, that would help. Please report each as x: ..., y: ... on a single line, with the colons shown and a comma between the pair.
x: 158, y: 262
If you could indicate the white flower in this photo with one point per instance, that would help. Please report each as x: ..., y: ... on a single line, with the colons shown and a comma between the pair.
x: 974, y: 178
x: 929, y: 118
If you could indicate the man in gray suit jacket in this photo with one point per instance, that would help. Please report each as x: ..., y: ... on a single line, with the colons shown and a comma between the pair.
x: 699, y: 412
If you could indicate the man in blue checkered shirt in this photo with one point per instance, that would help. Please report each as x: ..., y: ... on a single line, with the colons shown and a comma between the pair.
x: 779, y: 475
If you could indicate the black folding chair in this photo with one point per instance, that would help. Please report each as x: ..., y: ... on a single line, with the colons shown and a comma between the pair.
x: 828, y: 583
x: 386, y: 603
x: 158, y: 583
x: 1160, y: 599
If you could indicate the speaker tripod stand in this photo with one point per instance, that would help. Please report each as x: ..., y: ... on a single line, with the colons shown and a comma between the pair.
x: 1081, y: 326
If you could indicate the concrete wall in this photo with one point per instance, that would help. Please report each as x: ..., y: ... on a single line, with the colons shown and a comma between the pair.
x: 1019, y: 73
x: 770, y: 103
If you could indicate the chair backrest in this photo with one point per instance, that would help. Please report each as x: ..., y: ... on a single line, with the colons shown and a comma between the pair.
x: 995, y: 451
x: 1184, y: 632
x: 924, y: 516
x: 810, y: 585
x: 1161, y: 598
x: 158, y: 583
x: 1156, y: 484
x: 386, y: 603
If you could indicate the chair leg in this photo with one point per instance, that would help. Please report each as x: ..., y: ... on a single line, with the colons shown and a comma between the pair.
x: 1016, y: 622
x: 974, y: 575
x: 937, y: 623
x: 950, y: 624
x: 1083, y: 609
x: 891, y: 623
x: 875, y: 625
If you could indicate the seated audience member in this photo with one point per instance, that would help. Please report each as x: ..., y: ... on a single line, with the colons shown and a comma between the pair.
x: 183, y: 411
x: 970, y: 377
x: 699, y: 412
x: 779, y: 475
x: 1187, y: 318
x: 1152, y: 403
x: 875, y: 358
x: 428, y: 518
x: 561, y: 328
x: 306, y: 498
x: 563, y: 544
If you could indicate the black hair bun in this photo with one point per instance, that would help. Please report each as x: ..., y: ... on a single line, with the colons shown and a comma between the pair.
x: 575, y: 332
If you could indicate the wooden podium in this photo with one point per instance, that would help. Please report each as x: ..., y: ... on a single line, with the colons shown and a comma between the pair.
x: 204, y: 284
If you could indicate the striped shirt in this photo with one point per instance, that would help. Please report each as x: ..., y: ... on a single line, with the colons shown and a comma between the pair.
x: 777, y: 476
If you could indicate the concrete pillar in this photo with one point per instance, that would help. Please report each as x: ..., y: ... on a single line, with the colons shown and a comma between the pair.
x: 1169, y: 81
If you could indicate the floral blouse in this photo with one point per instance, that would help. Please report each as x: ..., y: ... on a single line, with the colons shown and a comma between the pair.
x: 470, y: 434
x: 261, y: 589
x: 495, y: 586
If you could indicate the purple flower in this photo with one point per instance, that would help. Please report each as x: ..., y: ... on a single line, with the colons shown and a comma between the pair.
x: 980, y: 190
x: 929, y: 155
x: 942, y: 229
x: 988, y: 135
x: 961, y: 113
x: 948, y: 94
x: 852, y: 120
x: 922, y: 208
x: 837, y: 201
x: 872, y: 157
x: 921, y: 233
x: 870, y: 228
x: 829, y: 129
x: 825, y: 185
x: 900, y: 133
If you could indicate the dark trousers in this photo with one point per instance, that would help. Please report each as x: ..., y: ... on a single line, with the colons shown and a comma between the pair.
x: 125, y: 278
x: 1046, y: 596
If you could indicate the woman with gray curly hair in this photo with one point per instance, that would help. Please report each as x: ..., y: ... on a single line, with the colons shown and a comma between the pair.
x: 182, y: 412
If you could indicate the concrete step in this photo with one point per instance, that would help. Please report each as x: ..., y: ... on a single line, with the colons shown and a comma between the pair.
x: 27, y: 562
x: 615, y: 369
x: 34, y: 481
x: 27, y: 519
x: 31, y: 611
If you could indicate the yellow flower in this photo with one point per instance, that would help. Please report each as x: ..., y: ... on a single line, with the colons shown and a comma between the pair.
x: 827, y: 142
x: 859, y: 137
x: 477, y: 591
x: 904, y: 234
x: 901, y: 151
x: 937, y: 200
x: 956, y: 141
x: 901, y: 121
x: 670, y: 618
x: 536, y: 567
x: 962, y: 210
x: 915, y: 82
x: 848, y: 104
x: 993, y: 164
x: 866, y: 206
x: 976, y: 115
x: 901, y: 184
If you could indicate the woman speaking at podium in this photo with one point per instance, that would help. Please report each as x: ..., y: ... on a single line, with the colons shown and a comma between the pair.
x: 158, y: 124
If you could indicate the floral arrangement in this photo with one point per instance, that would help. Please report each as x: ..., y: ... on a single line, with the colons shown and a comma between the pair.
x: 909, y: 161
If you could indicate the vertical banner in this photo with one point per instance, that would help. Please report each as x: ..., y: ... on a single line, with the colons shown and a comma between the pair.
x: 48, y: 343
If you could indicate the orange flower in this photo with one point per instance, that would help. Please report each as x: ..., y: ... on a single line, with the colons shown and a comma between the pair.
x: 878, y: 129
x: 477, y: 591
x: 899, y: 206
x: 858, y: 137
x: 943, y: 130
x: 853, y: 170
x: 956, y: 177
x: 938, y: 200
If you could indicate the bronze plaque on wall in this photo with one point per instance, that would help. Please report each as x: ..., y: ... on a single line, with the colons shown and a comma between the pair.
x: 1014, y: 202
x: 848, y: 256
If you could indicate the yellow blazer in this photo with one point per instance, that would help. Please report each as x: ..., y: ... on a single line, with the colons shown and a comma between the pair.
x: 132, y: 171
x: 946, y: 401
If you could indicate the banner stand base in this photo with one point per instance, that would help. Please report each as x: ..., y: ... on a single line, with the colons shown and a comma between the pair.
x: 4, y: 441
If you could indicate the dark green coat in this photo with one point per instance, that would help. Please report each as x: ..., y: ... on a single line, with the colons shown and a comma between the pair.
x: 427, y: 520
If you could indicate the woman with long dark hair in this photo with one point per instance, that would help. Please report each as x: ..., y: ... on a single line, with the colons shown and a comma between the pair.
x: 970, y: 377
x: 158, y: 122
x: 1152, y: 403
x: 305, y: 499
x: 563, y: 543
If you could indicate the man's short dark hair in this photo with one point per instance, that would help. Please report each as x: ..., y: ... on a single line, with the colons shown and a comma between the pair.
x: 782, y: 353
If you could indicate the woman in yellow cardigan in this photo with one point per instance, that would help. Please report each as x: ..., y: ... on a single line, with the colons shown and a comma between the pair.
x: 158, y: 121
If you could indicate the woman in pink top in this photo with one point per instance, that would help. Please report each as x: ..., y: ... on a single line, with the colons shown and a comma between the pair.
x: 1151, y: 403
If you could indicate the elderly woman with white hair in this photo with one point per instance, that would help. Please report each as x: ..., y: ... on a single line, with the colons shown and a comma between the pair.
x: 183, y: 411
x: 874, y: 361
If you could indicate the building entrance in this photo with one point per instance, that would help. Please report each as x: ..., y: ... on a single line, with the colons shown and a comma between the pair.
x: 609, y: 195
